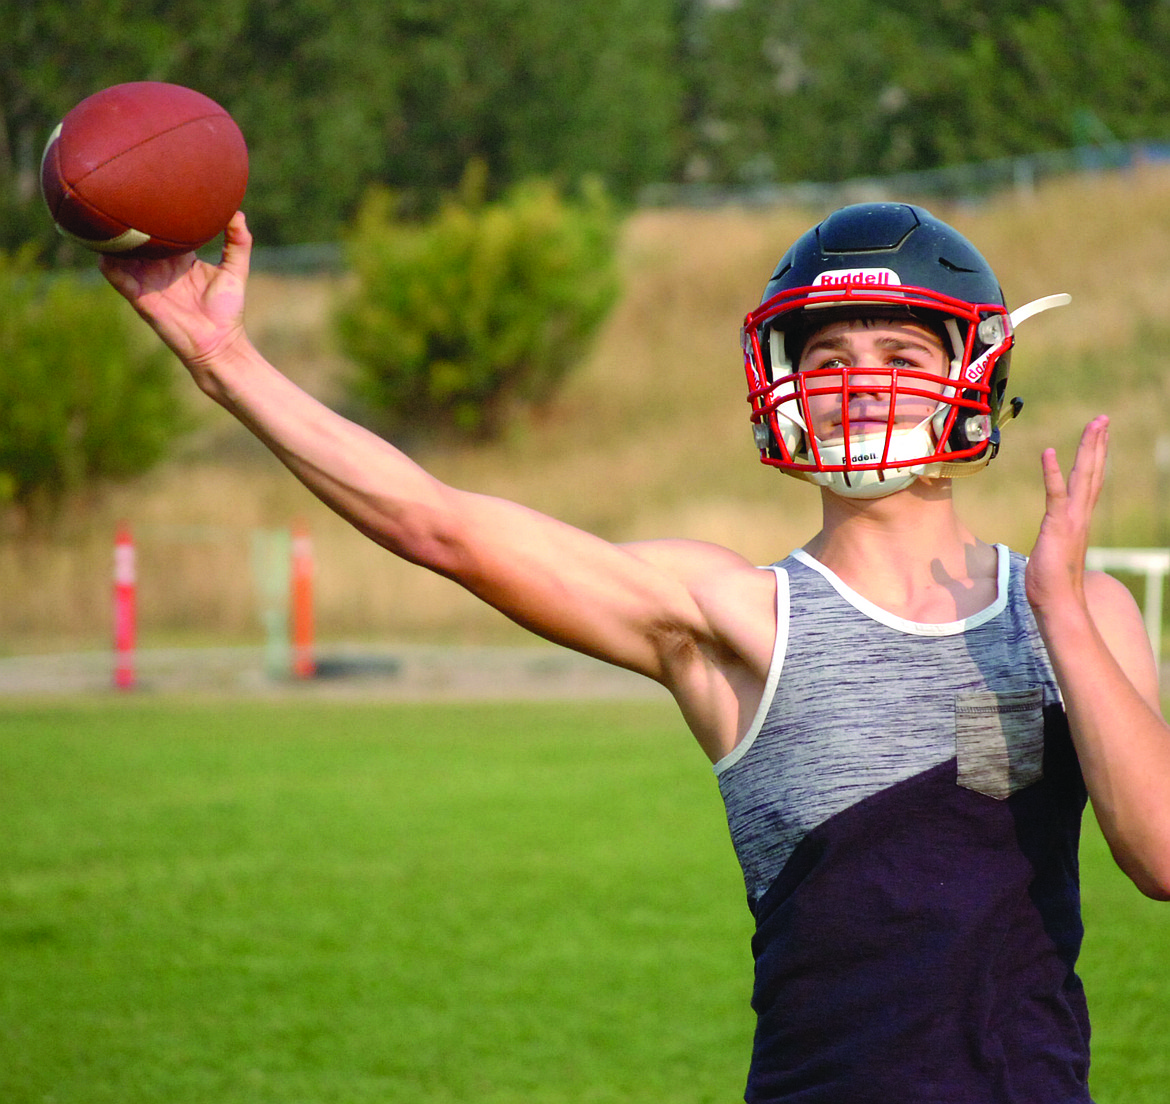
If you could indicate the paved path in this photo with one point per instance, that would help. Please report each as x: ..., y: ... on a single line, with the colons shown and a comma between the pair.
x: 406, y: 672
x: 409, y: 672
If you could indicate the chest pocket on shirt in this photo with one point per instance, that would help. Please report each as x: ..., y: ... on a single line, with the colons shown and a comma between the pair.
x: 999, y: 740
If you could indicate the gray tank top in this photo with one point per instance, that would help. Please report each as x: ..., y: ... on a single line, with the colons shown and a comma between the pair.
x: 858, y: 699
x: 906, y: 808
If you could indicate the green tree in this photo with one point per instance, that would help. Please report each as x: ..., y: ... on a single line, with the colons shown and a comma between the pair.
x: 802, y: 90
x: 314, y: 91
x: 799, y: 90
x: 80, y: 403
x: 403, y: 92
x: 1010, y: 77
x: 538, y: 87
x: 458, y: 322
x: 407, y: 92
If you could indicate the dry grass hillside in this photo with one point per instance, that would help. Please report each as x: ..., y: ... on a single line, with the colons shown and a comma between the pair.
x: 650, y: 438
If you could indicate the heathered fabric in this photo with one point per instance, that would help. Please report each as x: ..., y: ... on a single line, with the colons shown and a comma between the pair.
x: 906, y: 809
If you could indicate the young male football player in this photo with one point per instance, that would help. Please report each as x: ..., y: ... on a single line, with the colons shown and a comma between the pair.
x: 905, y: 721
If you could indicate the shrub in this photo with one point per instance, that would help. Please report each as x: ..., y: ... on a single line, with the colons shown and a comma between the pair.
x: 459, y: 322
x: 79, y: 402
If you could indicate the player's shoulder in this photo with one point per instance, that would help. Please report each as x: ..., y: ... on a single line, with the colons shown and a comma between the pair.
x: 1106, y: 594
x: 727, y: 587
x: 687, y: 557
x: 1119, y: 620
x: 1115, y: 611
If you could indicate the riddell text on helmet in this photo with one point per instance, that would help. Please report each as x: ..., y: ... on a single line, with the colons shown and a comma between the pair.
x: 863, y: 277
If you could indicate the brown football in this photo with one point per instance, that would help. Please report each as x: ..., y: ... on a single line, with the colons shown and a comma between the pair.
x: 145, y: 169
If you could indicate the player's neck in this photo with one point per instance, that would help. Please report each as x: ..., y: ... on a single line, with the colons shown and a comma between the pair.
x: 909, y: 553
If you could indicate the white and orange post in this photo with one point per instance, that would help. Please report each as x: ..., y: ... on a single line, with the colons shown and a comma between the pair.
x: 304, y: 664
x: 125, y: 608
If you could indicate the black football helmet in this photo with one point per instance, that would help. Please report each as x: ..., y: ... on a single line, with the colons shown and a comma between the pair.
x: 883, y: 261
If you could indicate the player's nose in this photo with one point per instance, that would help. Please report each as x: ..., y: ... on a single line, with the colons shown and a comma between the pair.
x: 868, y: 379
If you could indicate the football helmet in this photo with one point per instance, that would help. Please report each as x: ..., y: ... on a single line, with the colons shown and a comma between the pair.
x: 886, y: 262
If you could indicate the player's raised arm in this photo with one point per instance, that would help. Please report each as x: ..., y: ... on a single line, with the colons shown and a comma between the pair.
x: 630, y: 606
x: 1108, y: 678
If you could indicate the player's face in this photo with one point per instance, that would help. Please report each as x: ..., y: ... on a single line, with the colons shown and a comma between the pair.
x: 861, y: 359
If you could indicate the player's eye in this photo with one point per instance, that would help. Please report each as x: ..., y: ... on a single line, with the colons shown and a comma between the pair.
x: 831, y: 361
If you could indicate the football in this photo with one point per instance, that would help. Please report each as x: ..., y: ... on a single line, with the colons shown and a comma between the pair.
x: 144, y: 169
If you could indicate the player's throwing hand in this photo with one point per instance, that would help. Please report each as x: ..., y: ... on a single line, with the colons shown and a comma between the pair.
x: 196, y: 308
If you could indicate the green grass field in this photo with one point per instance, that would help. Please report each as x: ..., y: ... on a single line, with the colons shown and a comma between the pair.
x: 313, y: 903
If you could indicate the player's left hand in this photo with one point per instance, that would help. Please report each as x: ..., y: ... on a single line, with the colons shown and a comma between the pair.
x: 1056, y: 568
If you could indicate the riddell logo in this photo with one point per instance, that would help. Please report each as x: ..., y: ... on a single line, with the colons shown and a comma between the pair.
x: 839, y: 278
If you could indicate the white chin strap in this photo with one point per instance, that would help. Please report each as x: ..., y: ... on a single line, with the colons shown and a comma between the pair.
x: 910, y: 444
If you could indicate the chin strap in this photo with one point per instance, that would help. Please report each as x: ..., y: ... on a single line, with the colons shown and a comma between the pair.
x: 968, y: 467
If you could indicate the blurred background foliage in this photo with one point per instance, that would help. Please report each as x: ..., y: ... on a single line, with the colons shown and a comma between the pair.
x: 459, y: 324
x: 406, y: 93
x: 82, y: 402
x: 464, y: 309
